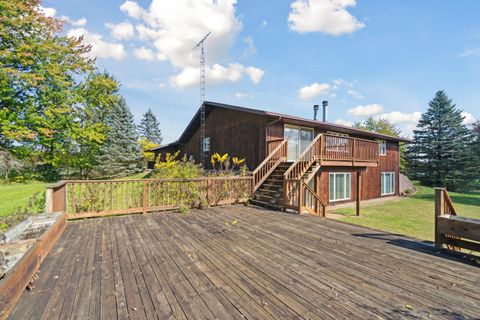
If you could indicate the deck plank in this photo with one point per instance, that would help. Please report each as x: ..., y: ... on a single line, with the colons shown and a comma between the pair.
x: 236, y: 262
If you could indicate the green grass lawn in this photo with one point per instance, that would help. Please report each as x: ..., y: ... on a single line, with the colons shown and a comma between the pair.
x: 412, y: 216
x: 15, y: 195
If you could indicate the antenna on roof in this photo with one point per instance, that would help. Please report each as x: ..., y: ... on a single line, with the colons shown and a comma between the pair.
x: 202, y: 97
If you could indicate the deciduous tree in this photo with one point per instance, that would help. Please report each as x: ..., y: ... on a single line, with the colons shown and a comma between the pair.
x: 383, y: 126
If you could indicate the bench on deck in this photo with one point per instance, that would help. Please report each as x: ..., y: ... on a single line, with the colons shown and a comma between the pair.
x: 451, y: 230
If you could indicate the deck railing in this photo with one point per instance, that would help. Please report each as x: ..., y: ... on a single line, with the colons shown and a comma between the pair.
x: 326, y: 149
x: 301, y: 197
x: 87, y: 198
x: 338, y: 148
x: 277, y: 152
x: 454, y: 232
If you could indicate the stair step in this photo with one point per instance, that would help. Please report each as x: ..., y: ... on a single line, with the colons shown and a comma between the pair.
x: 267, y: 198
x: 271, y: 192
x: 274, y: 181
x: 266, y: 204
x: 270, y: 186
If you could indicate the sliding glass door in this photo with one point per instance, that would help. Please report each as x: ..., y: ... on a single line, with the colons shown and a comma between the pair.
x: 298, y: 140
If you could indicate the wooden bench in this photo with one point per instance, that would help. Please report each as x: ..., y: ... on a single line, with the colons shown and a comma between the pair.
x: 451, y: 230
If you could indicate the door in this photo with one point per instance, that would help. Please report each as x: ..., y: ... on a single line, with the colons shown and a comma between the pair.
x: 298, y: 140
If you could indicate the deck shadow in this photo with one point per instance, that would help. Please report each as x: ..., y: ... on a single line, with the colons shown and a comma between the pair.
x: 426, y: 247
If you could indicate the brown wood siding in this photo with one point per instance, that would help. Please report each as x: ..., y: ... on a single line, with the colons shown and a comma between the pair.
x: 236, y: 133
x: 371, y: 178
x: 275, y: 131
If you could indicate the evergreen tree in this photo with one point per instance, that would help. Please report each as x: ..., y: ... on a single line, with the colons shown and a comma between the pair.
x: 149, y: 128
x: 440, y: 154
x: 476, y: 152
x: 120, y: 154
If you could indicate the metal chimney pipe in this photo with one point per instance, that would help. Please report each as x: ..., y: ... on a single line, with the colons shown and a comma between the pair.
x: 315, y: 111
x: 324, y: 105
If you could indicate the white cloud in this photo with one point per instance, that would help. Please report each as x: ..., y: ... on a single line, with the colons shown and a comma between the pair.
x: 250, y: 49
x: 327, y: 16
x: 122, y: 30
x: 255, y: 74
x: 355, y: 94
x: 144, y: 54
x: 367, y: 110
x: 342, y: 82
x: 396, y: 117
x: 79, y: 23
x: 264, y: 23
x: 146, y: 33
x: 216, y: 74
x: 468, y: 118
x: 173, y: 27
x: 470, y: 53
x: 313, y: 90
x: 132, y: 9
x: 100, y: 47
x: 242, y: 95
x: 48, y: 12
x: 344, y: 122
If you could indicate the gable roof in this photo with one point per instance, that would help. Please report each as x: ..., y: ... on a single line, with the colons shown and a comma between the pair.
x: 329, y: 126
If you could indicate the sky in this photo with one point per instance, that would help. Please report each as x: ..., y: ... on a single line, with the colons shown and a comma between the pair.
x: 377, y: 58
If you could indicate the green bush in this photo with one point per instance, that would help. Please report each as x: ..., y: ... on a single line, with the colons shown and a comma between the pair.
x: 47, y: 172
x: 172, y: 168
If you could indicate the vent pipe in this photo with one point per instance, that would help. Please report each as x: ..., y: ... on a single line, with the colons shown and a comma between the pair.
x: 315, y: 111
x: 325, y: 105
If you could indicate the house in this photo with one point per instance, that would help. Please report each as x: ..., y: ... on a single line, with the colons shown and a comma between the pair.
x: 338, y: 163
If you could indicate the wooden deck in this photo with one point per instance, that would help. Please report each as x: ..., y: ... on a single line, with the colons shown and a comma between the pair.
x: 240, y: 262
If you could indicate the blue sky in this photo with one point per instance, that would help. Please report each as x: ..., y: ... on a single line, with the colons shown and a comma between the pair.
x: 380, y: 58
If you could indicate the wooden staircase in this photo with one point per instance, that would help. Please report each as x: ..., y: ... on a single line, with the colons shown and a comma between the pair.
x: 270, y: 192
x: 284, y: 185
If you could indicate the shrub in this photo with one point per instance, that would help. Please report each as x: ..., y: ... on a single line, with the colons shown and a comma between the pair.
x: 47, y: 172
x: 174, y: 168
x: 223, y: 165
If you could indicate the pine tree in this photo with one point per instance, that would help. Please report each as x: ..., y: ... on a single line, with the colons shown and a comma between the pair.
x: 475, y: 147
x: 440, y: 154
x: 149, y: 128
x: 120, y: 154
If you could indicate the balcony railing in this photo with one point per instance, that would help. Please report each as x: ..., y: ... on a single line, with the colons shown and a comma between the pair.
x: 337, y: 149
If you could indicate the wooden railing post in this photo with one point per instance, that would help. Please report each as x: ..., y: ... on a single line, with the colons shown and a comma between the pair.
x: 439, y: 210
x: 144, y: 200
x: 300, y: 196
x: 55, y: 197
x: 359, y: 192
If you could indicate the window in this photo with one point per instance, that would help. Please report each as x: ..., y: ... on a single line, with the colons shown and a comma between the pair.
x: 206, y: 144
x: 339, y: 186
x: 388, y: 183
x: 383, y: 148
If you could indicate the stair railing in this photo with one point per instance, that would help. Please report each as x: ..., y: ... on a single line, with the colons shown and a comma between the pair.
x: 305, y: 160
x: 276, y: 156
x: 311, y: 201
x: 293, y: 175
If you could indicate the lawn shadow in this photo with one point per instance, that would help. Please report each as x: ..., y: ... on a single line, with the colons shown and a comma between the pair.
x: 426, y: 247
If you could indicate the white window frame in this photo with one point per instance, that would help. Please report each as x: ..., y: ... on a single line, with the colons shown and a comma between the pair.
x: 382, y: 145
x: 347, y: 179
x: 392, y: 181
